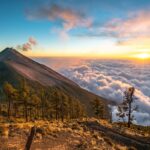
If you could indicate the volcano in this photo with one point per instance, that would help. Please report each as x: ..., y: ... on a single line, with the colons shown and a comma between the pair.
x: 14, y: 66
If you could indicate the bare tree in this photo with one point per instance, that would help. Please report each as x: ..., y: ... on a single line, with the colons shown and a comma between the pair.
x: 127, y: 108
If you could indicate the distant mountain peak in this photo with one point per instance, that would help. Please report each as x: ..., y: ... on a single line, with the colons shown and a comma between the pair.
x: 14, y: 66
x: 9, y: 49
x: 10, y: 54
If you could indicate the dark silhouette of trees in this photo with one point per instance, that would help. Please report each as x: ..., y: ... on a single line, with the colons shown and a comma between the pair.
x: 24, y: 96
x: 45, y: 103
x: 53, y: 103
x: 33, y: 106
x: 63, y: 106
x: 56, y: 104
x: 43, y: 96
x: 9, y: 91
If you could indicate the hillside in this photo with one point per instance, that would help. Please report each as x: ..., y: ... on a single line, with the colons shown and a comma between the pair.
x: 15, y: 67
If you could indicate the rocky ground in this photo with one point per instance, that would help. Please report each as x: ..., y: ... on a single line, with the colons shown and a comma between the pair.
x: 71, y: 135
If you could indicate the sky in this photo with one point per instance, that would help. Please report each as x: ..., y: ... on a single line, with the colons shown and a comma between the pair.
x: 76, y: 28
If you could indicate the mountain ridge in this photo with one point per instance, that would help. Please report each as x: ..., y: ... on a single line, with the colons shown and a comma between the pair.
x: 20, y: 66
x: 18, y: 60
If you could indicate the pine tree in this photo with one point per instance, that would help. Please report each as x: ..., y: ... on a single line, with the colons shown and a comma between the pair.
x: 79, y: 109
x: 25, y: 96
x: 70, y: 107
x: 34, y: 105
x: 47, y: 103
x: 9, y: 91
x: 42, y: 96
x: 1, y: 94
x: 16, y: 103
x: 98, y: 108
x: 56, y: 104
x: 64, y: 108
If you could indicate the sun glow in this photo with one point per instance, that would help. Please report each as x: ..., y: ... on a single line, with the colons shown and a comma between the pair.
x: 142, y: 56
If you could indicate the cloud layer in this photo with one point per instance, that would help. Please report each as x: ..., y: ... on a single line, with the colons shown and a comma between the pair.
x: 110, y: 79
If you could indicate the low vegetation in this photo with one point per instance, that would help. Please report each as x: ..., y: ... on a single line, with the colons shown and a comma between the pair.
x: 50, y: 103
x: 61, y: 121
x: 23, y: 102
x: 72, y: 135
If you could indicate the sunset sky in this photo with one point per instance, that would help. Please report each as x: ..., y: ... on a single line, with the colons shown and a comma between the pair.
x: 77, y: 28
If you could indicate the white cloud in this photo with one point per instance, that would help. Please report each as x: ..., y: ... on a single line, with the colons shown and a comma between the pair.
x: 68, y: 18
x: 110, y: 79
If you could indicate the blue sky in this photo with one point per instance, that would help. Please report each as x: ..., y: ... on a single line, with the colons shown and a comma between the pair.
x: 75, y: 27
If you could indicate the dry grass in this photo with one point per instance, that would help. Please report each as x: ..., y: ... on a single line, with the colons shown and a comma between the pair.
x: 72, y: 135
x: 131, y: 148
x: 135, y: 130
x: 4, y: 130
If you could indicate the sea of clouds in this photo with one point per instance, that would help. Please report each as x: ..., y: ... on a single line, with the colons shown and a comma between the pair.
x: 109, y: 79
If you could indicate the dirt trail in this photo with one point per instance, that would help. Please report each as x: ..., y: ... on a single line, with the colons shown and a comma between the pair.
x: 127, y: 140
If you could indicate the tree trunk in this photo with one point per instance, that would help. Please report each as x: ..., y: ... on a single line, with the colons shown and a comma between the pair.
x: 0, y: 109
x: 129, y: 117
x: 42, y: 112
x: 9, y: 105
x: 30, y: 138
x: 26, y: 112
x: 56, y: 113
